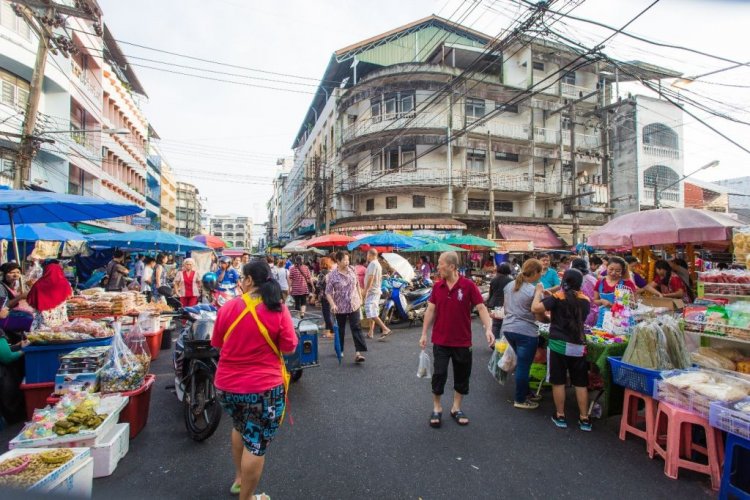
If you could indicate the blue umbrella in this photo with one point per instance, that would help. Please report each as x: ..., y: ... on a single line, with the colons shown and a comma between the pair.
x: 44, y: 232
x: 386, y: 239
x: 146, y: 240
x: 29, y: 207
x: 337, y: 342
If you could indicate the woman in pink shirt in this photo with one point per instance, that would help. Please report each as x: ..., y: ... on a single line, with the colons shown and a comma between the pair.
x: 252, y: 332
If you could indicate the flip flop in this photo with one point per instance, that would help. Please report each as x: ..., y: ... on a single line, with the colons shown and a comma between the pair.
x: 359, y: 359
x: 436, y: 415
x: 384, y: 336
x: 458, y: 415
x: 235, y: 489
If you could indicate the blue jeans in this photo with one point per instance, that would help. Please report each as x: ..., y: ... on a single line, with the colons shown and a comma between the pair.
x: 525, y: 349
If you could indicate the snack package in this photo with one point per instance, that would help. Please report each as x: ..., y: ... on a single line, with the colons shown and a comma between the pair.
x: 122, y: 371
x: 716, y: 319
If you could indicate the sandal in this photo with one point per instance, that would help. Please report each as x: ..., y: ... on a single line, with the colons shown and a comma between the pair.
x: 458, y: 416
x: 235, y: 489
x: 384, y: 336
x: 359, y: 359
x: 436, y: 419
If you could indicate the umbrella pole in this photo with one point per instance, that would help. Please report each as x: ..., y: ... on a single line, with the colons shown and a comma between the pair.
x: 15, y: 243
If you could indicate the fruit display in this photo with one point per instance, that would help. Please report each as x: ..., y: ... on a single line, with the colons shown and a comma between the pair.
x: 26, y: 470
x: 726, y: 282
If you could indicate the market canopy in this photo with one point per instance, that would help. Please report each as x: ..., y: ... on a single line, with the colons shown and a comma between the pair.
x: 435, y: 246
x: 469, y: 240
x: 386, y: 239
x: 44, y: 232
x: 541, y: 235
x: 665, y: 226
x: 210, y: 241
x: 146, y: 240
x: 329, y: 240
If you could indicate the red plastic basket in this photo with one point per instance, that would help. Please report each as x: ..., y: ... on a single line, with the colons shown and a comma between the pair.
x: 153, y: 339
x: 136, y: 411
x: 36, y: 396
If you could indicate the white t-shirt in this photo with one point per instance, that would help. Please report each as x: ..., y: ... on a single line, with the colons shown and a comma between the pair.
x: 148, y: 276
x: 281, y: 275
x: 374, y: 269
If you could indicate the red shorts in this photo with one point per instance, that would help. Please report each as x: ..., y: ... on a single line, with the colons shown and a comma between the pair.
x: 189, y: 301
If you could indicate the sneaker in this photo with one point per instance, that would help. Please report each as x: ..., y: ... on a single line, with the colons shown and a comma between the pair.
x: 526, y: 405
x: 534, y: 397
x: 559, y: 421
x: 584, y: 424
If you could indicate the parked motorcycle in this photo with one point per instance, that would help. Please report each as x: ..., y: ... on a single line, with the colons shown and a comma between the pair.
x: 406, y: 304
x: 195, y: 362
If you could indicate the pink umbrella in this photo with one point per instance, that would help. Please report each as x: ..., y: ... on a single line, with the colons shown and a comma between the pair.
x: 666, y: 226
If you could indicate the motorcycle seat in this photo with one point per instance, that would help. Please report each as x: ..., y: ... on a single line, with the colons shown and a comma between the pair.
x: 418, y: 293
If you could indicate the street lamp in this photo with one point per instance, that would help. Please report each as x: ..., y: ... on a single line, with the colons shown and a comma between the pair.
x: 657, y: 199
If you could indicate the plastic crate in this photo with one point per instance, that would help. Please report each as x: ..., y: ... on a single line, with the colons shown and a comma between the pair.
x: 136, y: 411
x: 153, y: 339
x: 724, y: 416
x: 633, y: 377
x: 35, y: 395
x: 690, y: 401
x: 42, y: 361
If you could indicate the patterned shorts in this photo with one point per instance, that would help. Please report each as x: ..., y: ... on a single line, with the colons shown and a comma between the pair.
x: 372, y: 306
x: 255, y: 416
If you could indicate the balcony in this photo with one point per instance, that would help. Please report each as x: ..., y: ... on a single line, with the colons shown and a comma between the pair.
x: 593, y: 194
x: 87, y: 141
x: 86, y: 81
x: 670, y: 195
x: 582, y: 140
x: 576, y: 91
x: 546, y: 135
x: 376, y: 124
x: 661, y: 152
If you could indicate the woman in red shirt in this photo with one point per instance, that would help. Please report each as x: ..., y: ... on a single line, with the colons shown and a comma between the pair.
x: 187, y: 283
x: 667, y: 284
x: 300, y: 285
x: 253, y: 331
x: 618, y: 275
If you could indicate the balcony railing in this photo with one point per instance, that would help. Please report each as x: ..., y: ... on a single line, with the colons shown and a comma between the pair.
x: 668, y: 195
x: 375, y: 124
x: 86, y: 81
x: 576, y: 91
x: 582, y: 140
x: 87, y: 140
x: 661, y: 152
x: 593, y: 194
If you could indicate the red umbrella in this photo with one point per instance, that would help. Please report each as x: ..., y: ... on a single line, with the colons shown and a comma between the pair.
x: 329, y: 240
x: 210, y: 241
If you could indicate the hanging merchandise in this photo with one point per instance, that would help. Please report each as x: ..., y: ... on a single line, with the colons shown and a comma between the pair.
x: 45, y: 250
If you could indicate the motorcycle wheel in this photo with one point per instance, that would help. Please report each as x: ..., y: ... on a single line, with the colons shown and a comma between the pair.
x: 388, y: 316
x: 202, y: 416
x: 296, y: 375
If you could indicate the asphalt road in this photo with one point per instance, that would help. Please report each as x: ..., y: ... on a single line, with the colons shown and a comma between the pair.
x: 361, y: 431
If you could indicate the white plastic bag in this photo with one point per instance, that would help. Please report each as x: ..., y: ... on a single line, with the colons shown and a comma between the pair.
x: 508, y: 361
x: 424, y: 369
x: 493, y: 366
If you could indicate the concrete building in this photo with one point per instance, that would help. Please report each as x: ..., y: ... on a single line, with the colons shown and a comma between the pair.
x: 189, y: 210
x: 168, y: 207
x: 706, y: 196
x: 390, y: 148
x: 275, y: 230
x: 647, y: 149
x: 739, y: 196
x: 235, y: 230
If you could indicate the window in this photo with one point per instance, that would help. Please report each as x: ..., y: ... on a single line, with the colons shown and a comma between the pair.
x: 477, y: 204
x: 658, y: 134
x: 375, y: 110
x: 503, y: 206
x: 401, y: 157
x: 539, y: 66
x: 418, y: 201
x: 502, y: 156
x: 392, y: 159
x: 377, y: 163
x: 661, y: 176
x: 370, y: 204
x: 391, y: 107
x: 15, y: 91
x: 566, y: 123
x: 474, y: 109
x: 391, y: 202
x: 475, y: 160
x: 507, y: 108
x: 10, y: 20
x: 569, y: 78
x: 407, y: 105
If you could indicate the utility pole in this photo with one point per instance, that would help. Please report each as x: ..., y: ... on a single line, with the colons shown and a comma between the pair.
x: 450, y: 154
x: 574, y: 167
x: 43, y: 16
x: 489, y: 181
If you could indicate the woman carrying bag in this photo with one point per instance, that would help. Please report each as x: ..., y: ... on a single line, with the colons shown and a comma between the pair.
x: 253, y: 331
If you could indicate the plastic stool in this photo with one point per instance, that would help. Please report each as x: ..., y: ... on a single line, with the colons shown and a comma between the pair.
x: 630, y: 418
x: 679, y: 443
x: 733, y: 464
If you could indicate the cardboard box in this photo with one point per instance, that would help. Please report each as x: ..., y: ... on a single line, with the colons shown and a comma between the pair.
x: 88, y: 381
x: 108, y: 452
x: 672, y: 304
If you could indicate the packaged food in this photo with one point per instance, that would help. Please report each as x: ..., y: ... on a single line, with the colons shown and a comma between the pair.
x: 122, y: 371
x: 710, y: 358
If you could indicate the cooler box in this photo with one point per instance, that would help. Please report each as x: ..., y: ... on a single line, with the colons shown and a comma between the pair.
x: 42, y: 361
x: 108, y: 452
x: 36, y: 395
x: 136, y: 411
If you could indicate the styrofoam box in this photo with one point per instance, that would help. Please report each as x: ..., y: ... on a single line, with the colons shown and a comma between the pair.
x: 73, y: 478
x: 110, y: 450
x: 112, y: 405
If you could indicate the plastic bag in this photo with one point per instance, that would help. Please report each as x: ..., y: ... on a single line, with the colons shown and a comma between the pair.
x: 136, y: 342
x: 424, y: 369
x: 509, y: 360
x: 122, y: 370
x: 493, y: 366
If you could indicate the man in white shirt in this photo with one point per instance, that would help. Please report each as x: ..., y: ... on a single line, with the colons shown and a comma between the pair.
x: 373, y: 278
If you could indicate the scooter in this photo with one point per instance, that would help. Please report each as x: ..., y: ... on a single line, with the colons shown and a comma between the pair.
x: 195, y: 362
x: 406, y: 305
x: 221, y: 297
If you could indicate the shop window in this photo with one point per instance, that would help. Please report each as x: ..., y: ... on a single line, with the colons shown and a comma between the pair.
x: 391, y: 202
x: 370, y: 204
x: 474, y: 109
x: 418, y: 201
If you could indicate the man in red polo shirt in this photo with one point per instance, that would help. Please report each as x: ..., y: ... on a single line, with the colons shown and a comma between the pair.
x: 451, y: 303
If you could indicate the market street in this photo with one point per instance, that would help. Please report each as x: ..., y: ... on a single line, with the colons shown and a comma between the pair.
x: 362, y: 432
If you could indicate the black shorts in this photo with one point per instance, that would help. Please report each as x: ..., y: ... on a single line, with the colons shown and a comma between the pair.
x: 462, y: 361
x: 559, y: 365
x: 299, y: 301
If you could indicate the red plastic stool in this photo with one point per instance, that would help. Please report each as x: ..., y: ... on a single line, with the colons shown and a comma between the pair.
x: 676, y: 426
x: 631, y: 419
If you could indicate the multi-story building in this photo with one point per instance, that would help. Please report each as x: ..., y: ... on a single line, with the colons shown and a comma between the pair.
x: 431, y: 130
x: 739, y: 196
x: 706, y: 196
x: 275, y: 231
x: 168, y: 198
x: 235, y: 230
x: 189, y: 210
x: 648, y: 155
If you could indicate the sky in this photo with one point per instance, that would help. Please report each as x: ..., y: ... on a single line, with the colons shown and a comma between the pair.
x: 225, y: 137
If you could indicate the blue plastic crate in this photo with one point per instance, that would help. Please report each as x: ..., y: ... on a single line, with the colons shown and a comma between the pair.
x: 633, y: 377
x: 42, y: 361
